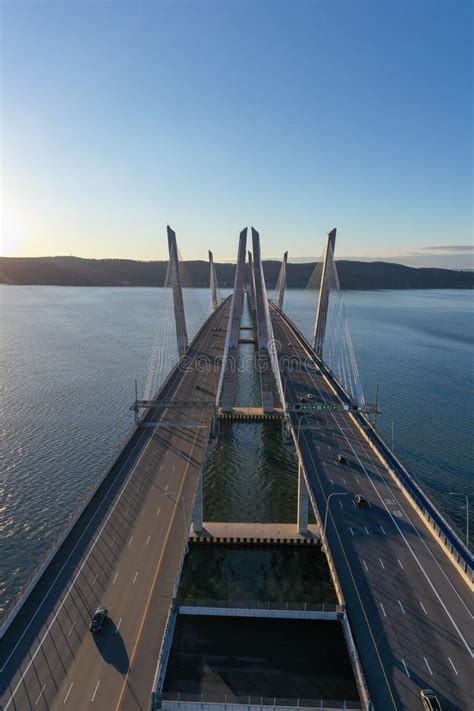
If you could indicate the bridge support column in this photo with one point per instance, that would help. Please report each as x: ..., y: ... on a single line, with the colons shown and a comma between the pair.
x: 213, y: 283
x: 174, y: 281
x: 198, y: 510
x: 324, y: 291
x: 281, y: 285
x: 303, y: 502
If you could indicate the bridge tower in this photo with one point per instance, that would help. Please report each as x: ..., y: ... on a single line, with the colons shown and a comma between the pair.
x: 174, y: 281
x: 251, y: 282
x: 324, y: 291
x: 227, y: 384
x: 213, y: 283
x: 281, y: 283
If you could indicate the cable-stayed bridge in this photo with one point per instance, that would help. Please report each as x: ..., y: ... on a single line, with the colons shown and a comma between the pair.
x: 402, y: 576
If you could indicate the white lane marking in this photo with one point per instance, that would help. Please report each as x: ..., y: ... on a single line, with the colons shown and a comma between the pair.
x: 134, y: 578
x: 357, y: 480
x: 341, y: 504
x: 115, y: 578
x: 68, y: 692
x: 451, y: 662
x: 350, y: 529
x: 381, y: 563
x: 354, y: 503
x: 401, y: 607
x: 148, y: 540
x: 174, y: 467
x: 332, y: 481
x: 117, y: 628
x: 161, y: 465
x: 130, y: 542
x: 367, y: 530
x: 95, y: 578
x: 429, y: 668
x: 157, y: 512
x: 40, y: 694
x: 400, y: 564
x: 406, y: 669
x: 383, y: 610
x: 395, y: 522
x: 423, y: 608
x: 345, y: 482
x: 72, y: 627
x: 166, y: 487
x: 365, y: 565
x: 95, y: 691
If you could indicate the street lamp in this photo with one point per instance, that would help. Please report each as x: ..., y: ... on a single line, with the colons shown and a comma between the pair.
x: 458, y: 493
x: 304, y: 416
x: 334, y: 493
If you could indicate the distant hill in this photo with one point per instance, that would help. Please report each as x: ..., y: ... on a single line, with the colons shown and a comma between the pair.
x: 74, y: 271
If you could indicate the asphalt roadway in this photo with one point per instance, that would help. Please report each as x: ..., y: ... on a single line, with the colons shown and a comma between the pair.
x: 409, y: 609
x: 125, y: 553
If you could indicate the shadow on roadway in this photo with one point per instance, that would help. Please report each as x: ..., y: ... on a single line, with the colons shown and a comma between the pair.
x: 110, y: 644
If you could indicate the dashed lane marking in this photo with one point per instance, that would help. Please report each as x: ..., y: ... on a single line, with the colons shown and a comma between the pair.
x: 406, y: 669
x: 383, y: 610
x: 68, y: 692
x: 429, y: 668
x: 451, y: 662
x: 95, y: 691
x: 401, y: 607
x: 134, y: 578
x: 40, y: 694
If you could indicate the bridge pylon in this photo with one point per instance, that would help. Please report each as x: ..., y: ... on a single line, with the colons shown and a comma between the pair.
x: 251, y: 282
x: 324, y: 291
x: 174, y: 281
x: 213, y: 282
x: 281, y: 283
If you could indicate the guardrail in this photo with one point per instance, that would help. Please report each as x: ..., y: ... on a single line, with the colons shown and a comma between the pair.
x: 265, y: 605
x: 445, y: 534
x: 171, y: 700
x: 23, y: 595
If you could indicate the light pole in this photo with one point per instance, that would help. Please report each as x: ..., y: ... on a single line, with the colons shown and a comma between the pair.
x: 458, y: 493
x: 334, y: 493
x: 304, y: 416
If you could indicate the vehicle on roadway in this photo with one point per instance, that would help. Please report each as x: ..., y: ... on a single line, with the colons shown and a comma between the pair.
x: 430, y: 700
x: 341, y: 459
x: 360, y: 501
x: 97, y: 622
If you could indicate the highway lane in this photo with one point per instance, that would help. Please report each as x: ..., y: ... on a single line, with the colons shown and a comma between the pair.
x: 128, y: 560
x: 410, y: 610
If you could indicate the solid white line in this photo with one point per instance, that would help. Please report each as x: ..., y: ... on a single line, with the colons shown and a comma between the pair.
x: 115, y: 578
x: 69, y: 691
x: 383, y: 530
x: 350, y: 529
x: 148, y: 540
x: 401, y: 607
x: 367, y: 530
x: 117, y: 628
x: 423, y: 608
x: 400, y: 564
x: 451, y: 662
x: 135, y: 577
x: 381, y: 563
x: 130, y: 542
x: 429, y: 668
x: 40, y: 694
x: 406, y: 669
x: 72, y: 627
x: 383, y: 609
x: 95, y: 691
x: 365, y: 565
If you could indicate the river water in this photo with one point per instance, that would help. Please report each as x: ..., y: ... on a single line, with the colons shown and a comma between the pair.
x: 69, y: 358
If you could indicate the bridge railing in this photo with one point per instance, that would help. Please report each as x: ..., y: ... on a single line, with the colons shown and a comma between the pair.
x: 263, y: 605
x: 438, y: 524
x: 256, y: 701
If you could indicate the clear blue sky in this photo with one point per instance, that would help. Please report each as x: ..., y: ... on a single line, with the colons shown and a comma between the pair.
x: 121, y: 117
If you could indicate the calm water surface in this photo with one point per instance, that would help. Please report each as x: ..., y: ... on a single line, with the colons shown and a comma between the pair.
x: 69, y: 357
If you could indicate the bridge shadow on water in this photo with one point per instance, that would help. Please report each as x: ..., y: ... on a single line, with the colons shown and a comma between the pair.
x: 111, y: 647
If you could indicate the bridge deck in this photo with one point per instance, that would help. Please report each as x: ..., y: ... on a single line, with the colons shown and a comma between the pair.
x: 409, y: 609
x: 125, y: 553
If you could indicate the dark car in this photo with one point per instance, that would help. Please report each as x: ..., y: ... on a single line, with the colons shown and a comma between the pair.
x: 341, y: 459
x: 98, y: 620
x: 360, y: 501
x: 430, y: 700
